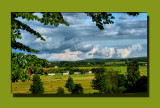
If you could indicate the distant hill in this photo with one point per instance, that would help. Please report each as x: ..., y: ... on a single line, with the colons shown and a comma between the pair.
x: 139, y: 59
x: 94, y: 60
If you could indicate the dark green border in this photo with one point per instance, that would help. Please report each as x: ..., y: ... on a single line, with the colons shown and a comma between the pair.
x: 152, y: 9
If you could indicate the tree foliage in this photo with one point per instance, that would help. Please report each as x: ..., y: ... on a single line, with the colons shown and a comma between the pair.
x: 21, y: 62
x: 100, y: 81
x: 102, y: 18
x: 60, y: 90
x: 70, y: 84
x: 78, y: 89
x: 37, y: 86
x: 133, y: 73
x: 108, y: 81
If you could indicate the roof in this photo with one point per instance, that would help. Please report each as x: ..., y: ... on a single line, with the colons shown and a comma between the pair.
x: 46, y: 69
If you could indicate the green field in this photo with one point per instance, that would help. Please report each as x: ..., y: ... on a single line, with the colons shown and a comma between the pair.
x: 51, y: 83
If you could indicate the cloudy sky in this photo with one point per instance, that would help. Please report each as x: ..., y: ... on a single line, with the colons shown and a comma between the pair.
x: 82, y: 39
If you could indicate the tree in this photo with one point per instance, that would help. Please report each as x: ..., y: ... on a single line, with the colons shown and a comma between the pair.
x: 100, y: 81
x: 108, y: 81
x: 78, y: 89
x: 60, y: 90
x: 141, y: 84
x: 133, y: 73
x: 122, y: 80
x: 37, y: 86
x: 21, y: 61
x: 70, y: 84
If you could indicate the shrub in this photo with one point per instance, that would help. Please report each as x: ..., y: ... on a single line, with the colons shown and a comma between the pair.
x: 140, y: 86
x: 78, y: 89
x: 37, y: 86
x: 60, y: 90
x: 119, y: 90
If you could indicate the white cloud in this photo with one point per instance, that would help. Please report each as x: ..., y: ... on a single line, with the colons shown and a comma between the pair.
x: 126, y: 16
x: 90, y: 54
x: 107, y: 52
x: 67, y: 55
x: 125, y: 52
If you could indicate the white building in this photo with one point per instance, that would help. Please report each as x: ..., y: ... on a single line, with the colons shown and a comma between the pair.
x: 66, y: 73
x: 51, y: 74
x: 90, y: 72
x: 55, y: 66
x: 77, y: 73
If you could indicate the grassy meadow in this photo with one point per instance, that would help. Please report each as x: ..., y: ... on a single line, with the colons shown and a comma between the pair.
x: 51, y: 83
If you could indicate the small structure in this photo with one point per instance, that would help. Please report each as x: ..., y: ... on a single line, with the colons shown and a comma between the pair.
x: 77, y: 72
x: 66, y: 73
x: 51, y: 74
x: 90, y: 72
x: 56, y: 67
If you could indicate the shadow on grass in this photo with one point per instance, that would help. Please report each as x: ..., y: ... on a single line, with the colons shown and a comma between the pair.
x: 139, y: 94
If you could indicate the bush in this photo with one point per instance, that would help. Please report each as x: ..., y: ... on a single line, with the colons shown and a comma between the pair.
x: 60, y: 90
x: 119, y: 90
x: 78, y: 89
x: 37, y: 86
x: 140, y: 86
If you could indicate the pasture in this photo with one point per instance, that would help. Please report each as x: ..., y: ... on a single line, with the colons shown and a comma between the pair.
x: 51, y: 83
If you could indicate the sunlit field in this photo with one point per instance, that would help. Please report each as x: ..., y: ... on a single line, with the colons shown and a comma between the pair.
x: 51, y: 83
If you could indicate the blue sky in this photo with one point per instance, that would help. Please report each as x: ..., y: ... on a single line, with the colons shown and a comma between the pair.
x: 82, y: 39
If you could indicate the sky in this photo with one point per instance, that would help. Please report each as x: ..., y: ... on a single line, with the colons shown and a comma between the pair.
x: 82, y: 39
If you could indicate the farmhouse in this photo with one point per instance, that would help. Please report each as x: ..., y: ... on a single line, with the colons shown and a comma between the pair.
x: 77, y: 73
x: 90, y: 72
x: 46, y: 69
x: 51, y: 74
x: 55, y: 66
x: 66, y: 73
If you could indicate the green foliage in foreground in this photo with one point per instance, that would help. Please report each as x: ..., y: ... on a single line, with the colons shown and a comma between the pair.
x: 21, y: 63
x: 37, y: 86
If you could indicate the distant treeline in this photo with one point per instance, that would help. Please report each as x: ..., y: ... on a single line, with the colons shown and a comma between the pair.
x: 138, y: 59
x: 98, y: 62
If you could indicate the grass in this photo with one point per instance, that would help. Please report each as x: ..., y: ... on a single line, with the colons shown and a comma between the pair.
x: 51, y: 83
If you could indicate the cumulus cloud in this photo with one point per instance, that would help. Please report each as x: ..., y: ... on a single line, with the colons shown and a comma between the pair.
x: 125, y: 16
x: 91, y: 53
x: 107, y: 52
x: 125, y: 52
x: 67, y: 55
